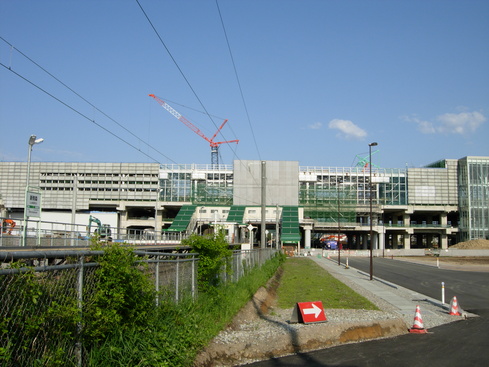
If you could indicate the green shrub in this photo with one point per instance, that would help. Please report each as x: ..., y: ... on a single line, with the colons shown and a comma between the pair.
x: 39, y: 325
x: 123, y: 293
x: 213, y: 253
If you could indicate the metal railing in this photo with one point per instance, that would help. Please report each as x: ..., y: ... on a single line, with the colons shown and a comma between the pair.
x: 56, y: 234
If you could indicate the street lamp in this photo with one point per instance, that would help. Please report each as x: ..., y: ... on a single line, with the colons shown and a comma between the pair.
x: 370, y: 197
x: 32, y: 140
x: 339, y: 227
x: 158, y: 190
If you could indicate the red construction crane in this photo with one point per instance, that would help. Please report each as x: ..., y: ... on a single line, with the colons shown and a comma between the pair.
x: 213, y: 144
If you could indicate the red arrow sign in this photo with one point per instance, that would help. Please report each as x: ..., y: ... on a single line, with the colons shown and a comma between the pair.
x: 312, y: 311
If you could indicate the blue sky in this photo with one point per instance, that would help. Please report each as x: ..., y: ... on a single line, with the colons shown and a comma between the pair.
x: 318, y: 80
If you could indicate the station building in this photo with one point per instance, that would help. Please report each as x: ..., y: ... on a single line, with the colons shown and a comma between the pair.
x: 435, y: 206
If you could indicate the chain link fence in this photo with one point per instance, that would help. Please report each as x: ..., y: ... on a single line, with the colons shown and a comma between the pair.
x: 42, y: 297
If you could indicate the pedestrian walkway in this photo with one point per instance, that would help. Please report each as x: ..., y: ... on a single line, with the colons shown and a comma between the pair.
x: 402, y: 301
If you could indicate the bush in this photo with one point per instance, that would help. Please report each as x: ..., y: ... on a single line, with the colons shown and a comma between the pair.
x: 38, y: 321
x: 123, y: 294
x: 213, y: 253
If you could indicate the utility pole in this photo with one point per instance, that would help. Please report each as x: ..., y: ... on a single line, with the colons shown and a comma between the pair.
x: 371, y: 216
x: 277, y: 219
x: 263, y: 204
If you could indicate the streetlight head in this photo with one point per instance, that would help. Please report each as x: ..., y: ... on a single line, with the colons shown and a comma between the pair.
x: 372, y: 144
x: 33, y: 140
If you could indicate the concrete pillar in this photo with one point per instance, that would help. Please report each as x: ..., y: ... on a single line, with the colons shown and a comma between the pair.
x: 443, y: 220
x: 407, y: 220
x: 444, y: 241
x: 381, y: 240
x: 407, y: 241
x: 307, y: 237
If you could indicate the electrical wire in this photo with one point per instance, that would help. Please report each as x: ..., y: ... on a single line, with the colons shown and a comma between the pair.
x: 13, y: 48
x: 237, y: 80
x: 257, y: 180
x: 175, y: 62
x: 181, y: 72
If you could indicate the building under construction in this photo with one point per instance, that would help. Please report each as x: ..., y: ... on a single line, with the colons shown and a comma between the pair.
x: 431, y: 207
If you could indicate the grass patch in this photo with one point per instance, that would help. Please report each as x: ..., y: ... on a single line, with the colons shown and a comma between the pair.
x: 305, y: 281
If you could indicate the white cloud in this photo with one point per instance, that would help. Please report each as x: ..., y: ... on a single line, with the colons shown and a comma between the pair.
x: 460, y: 123
x: 426, y: 127
x: 315, y: 126
x: 347, y: 129
x: 451, y: 123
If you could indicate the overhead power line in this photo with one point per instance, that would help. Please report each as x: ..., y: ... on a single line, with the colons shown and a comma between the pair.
x: 180, y: 69
x: 82, y: 98
x: 237, y: 80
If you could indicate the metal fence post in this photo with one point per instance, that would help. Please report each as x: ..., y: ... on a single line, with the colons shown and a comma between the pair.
x: 157, y: 280
x: 79, y: 345
x: 238, y: 259
x: 193, y: 277
x: 177, y: 276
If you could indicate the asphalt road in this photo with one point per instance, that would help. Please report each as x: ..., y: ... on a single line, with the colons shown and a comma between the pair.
x: 460, y: 344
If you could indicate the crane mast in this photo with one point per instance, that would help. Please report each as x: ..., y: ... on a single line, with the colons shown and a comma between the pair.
x: 213, y: 144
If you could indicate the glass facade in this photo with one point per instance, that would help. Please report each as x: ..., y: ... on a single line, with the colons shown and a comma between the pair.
x: 323, y: 191
x: 326, y: 191
x: 473, y: 190
x: 197, y: 184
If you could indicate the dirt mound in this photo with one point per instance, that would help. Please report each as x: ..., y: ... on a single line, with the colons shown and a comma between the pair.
x: 479, y: 244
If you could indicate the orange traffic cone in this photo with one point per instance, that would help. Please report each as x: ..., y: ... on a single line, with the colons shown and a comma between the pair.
x: 454, y: 307
x: 418, y: 327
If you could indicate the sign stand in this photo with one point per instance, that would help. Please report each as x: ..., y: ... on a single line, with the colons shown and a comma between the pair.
x: 308, y: 312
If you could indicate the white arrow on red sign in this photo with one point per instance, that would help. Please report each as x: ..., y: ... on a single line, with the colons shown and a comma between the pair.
x: 315, y: 310
x: 311, y: 311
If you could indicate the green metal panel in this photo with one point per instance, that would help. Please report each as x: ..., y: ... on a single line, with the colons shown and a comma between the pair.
x: 182, y: 219
x: 290, y: 225
x: 236, y: 214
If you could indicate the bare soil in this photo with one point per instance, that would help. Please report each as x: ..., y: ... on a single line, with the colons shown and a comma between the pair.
x: 479, y: 244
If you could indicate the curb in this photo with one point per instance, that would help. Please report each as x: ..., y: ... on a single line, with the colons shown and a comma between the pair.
x: 298, y: 341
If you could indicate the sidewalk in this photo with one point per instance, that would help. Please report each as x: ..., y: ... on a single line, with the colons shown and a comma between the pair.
x: 391, y: 297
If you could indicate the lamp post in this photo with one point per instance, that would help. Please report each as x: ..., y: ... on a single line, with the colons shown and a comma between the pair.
x: 370, y: 197
x: 32, y: 140
x: 339, y: 227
